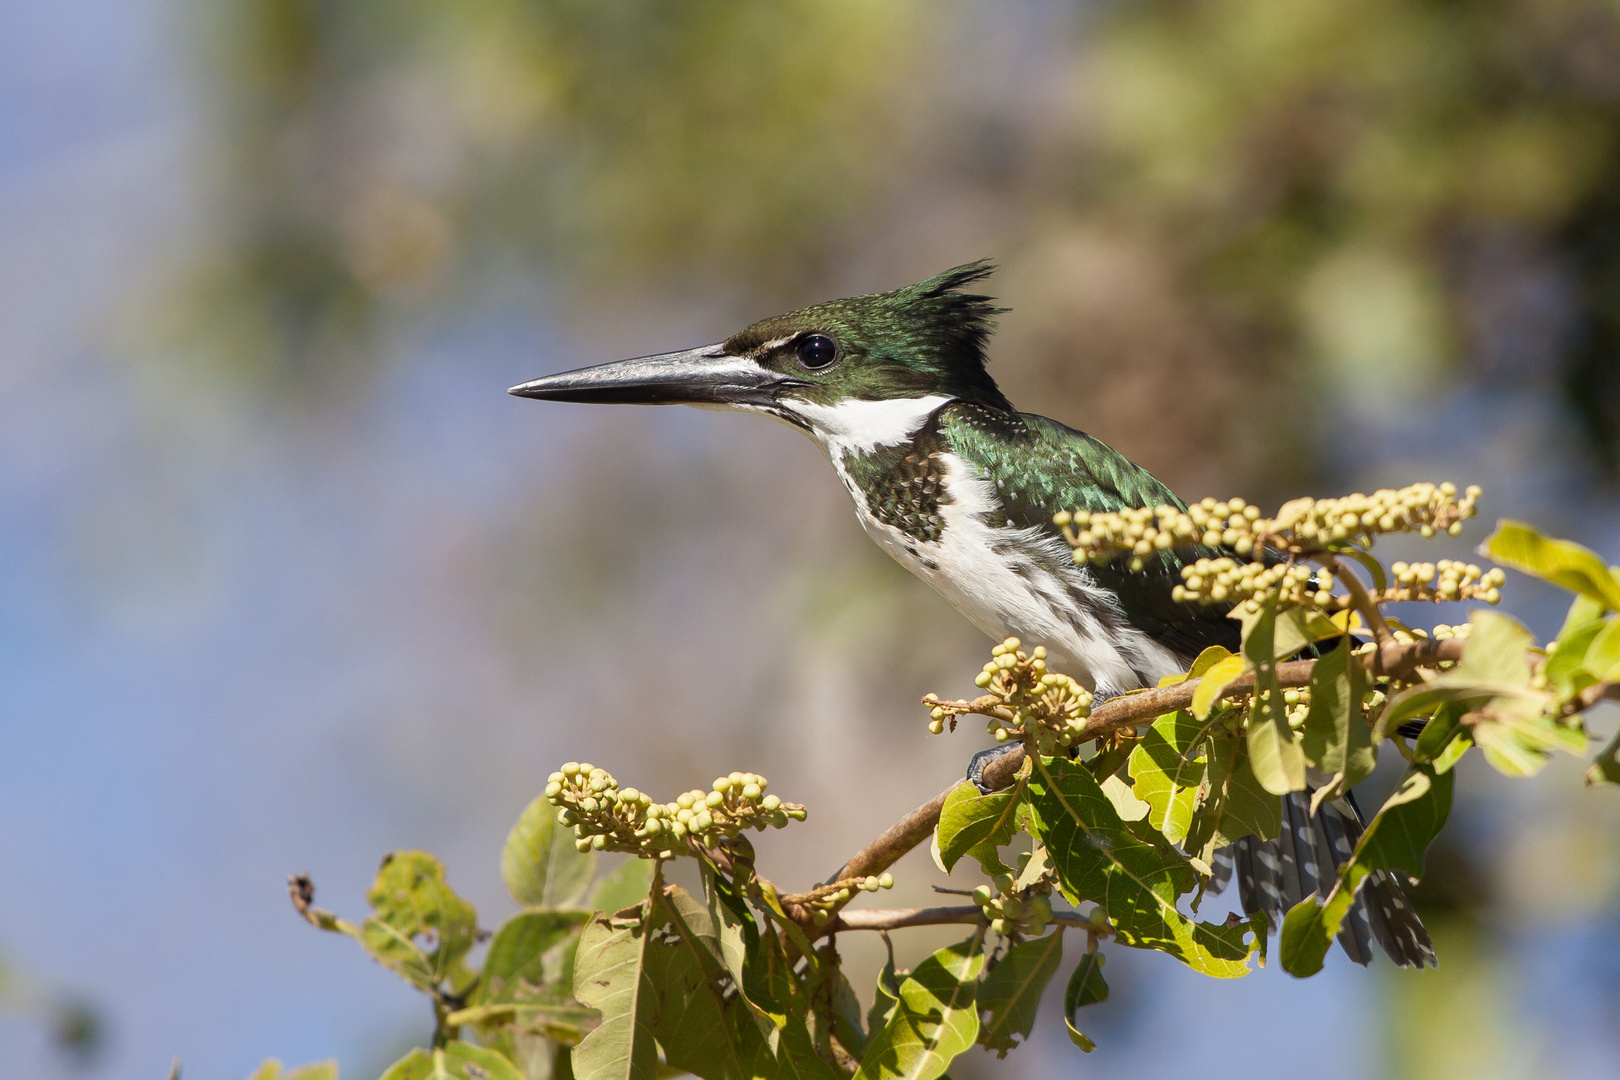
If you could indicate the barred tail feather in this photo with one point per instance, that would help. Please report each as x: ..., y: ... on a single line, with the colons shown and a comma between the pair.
x: 1305, y: 857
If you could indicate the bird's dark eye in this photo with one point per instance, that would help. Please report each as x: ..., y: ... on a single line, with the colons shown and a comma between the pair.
x: 817, y: 351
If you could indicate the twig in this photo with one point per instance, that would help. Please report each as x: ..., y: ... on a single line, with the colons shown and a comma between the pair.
x: 1363, y: 603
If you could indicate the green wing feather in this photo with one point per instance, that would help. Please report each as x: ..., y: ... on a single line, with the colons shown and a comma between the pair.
x: 1040, y: 466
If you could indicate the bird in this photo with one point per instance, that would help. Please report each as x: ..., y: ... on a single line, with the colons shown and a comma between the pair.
x: 961, y: 488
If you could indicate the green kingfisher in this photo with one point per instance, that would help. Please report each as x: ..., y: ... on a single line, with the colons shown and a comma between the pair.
x: 960, y: 488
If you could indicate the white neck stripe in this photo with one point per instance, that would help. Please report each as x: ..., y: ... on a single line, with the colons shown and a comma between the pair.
x: 863, y: 426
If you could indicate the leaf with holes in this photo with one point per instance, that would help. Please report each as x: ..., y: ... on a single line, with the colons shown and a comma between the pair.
x: 419, y: 927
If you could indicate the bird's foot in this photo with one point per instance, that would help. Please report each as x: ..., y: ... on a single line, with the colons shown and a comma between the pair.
x: 982, y: 760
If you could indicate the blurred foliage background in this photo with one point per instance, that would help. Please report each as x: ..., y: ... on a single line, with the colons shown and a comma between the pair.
x: 289, y: 581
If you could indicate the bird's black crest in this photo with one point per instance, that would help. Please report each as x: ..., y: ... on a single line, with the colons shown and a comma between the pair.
x: 959, y: 322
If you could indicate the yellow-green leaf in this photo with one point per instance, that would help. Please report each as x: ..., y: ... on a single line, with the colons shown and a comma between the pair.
x: 455, y: 1060
x: 1213, y: 682
x: 1561, y: 562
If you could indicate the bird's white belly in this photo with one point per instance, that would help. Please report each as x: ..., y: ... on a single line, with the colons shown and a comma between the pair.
x: 999, y: 579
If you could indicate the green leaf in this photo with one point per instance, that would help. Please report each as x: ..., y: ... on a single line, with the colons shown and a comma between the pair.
x: 1437, y: 734
x: 527, y: 977
x: 1296, y: 627
x: 1493, y: 666
x: 1447, y: 759
x: 936, y: 1018
x: 275, y: 1070
x: 626, y: 885
x: 1395, y: 839
x: 1129, y: 869
x: 608, y: 978
x: 1275, y: 753
x: 1517, y: 737
x: 1603, y: 654
x: 1011, y: 991
x: 1213, y: 682
x: 540, y: 865
x: 410, y: 900
x: 456, y: 1060
x: 1605, y: 767
x: 1561, y: 562
x: 1166, y: 773
x: 1566, y: 668
x: 1582, y: 610
x: 700, y: 1016
x: 1337, y: 739
x: 1126, y: 804
x: 1086, y: 987
x: 1234, y: 805
x: 886, y: 994
x: 970, y: 820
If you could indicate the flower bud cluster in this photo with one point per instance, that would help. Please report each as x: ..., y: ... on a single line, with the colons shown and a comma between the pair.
x: 1301, y: 527
x: 1296, y: 705
x: 1026, y: 912
x: 1024, y: 700
x: 824, y: 902
x: 605, y: 817
x: 1235, y: 581
x: 1456, y: 581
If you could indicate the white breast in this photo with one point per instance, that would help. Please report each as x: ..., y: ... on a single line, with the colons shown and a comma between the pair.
x: 997, y: 577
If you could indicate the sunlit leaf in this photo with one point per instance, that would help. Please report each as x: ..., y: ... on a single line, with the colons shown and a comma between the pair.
x: 935, y: 1019
x: 1213, y: 682
x: 1011, y: 991
x: 540, y: 865
x: 1275, y: 753
x: 699, y: 1014
x: 455, y: 1060
x: 1395, y: 839
x: 1086, y: 987
x: 1517, y: 737
x: 608, y: 978
x: 1437, y: 734
x: 418, y: 927
x: 971, y: 819
x: 1337, y: 739
x: 1234, y: 805
x: 275, y: 1070
x: 1494, y: 664
x: 1561, y: 562
x: 1166, y: 773
x: 1128, y: 868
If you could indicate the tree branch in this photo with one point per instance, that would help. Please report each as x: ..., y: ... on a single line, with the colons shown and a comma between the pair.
x: 1395, y: 659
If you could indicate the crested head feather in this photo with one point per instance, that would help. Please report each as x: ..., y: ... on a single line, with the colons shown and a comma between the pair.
x: 922, y: 339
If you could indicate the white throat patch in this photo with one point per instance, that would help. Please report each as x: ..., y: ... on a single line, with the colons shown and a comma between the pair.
x: 862, y: 426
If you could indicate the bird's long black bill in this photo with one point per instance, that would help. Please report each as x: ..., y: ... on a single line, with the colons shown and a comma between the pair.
x: 706, y: 376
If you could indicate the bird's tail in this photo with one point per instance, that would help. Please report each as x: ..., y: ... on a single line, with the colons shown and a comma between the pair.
x: 1274, y: 875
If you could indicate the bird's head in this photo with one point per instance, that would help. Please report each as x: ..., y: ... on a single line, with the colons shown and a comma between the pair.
x: 925, y: 341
